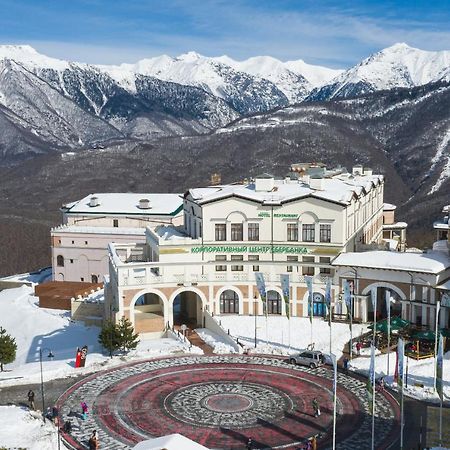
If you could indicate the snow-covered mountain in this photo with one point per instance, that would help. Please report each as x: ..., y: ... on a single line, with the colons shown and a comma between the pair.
x: 393, y: 67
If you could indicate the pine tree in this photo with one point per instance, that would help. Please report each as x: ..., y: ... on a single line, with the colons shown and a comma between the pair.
x: 128, y: 338
x: 109, y: 337
x: 8, y: 348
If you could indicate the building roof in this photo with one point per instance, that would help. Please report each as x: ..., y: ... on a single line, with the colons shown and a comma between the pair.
x: 170, y: 442
x: 389, y: 207
x: 127, y: 204
x: 338, y: 189
x: 99, y: 230
x: 431, y: 262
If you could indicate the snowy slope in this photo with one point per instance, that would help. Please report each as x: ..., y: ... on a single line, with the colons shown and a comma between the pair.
x: 395, y: 66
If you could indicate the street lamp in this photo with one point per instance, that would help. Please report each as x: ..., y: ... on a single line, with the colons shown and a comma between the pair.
x: 50, y: 355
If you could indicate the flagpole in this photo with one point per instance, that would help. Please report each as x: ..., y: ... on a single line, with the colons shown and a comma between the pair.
x: 438, y: 307
x: 388, y: 306
x: 351, y: 325
x: 373, y: 403
x: 400, y: 377
x: 333, y: 358
x: 402, y: 420
x: 440, y: 424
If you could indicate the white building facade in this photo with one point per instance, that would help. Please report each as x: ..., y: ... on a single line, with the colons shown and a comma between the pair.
x: 296, y: 225
x: 79, y: 245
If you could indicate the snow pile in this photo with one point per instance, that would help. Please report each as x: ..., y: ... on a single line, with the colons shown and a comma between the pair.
x: 420, y: 373
x: 215, y: 341
x: 37, y: 328
x: 273, y: 334
x: 25, y: 429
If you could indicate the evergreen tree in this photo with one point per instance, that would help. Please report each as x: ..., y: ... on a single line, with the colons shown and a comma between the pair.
x: 128, y: 338
x: 8, y: 348
x: 109, y: 337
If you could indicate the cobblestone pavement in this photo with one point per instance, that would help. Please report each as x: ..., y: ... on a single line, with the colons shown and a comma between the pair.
x: 221, y: 401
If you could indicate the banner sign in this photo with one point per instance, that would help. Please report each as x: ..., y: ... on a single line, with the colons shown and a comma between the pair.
x: 440, y: 367
x: 249, y: 249
x: 387, y: 297
x: 373, y: 296
x: 328, y: 293
x: 261, y: 286
x: 445, y: 299
x: 401, y: 361
x: 347, y: 294
x: 309, y: 285
x: 284, y: 279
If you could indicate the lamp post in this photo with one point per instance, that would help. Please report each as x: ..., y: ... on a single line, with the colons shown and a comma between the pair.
x: 50, y: 355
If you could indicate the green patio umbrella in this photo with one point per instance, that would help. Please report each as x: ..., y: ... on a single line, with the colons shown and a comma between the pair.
x: 445, y: 332
x: 397, y: 323
x: 424, y: 335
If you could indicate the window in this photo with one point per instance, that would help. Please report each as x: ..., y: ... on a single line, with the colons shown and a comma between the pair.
x: 273, y: 302
x: 254, y: 258
x: 237, y: 231
x: 221, y: 268
x: 94, y: 278
x: 325, y: 233
x: 325, y: 270
x: 292, y: 232
x: 71, y: 261
x: 221, y: 231
x: 229, y: 302
x: 308, y: 232
x: 291, y: 258
x: 60, y: 260
x: 82, y: 279
x: 253, y: 231
x: 115, y: 223
x: 85, y: 242
x: 73, y: 242
x: 237, y: 258
x: 308, y: 270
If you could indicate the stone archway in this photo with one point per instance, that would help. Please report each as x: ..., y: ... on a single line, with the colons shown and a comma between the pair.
x: 396, y: 294
x: 187, y: 307
x: 148, y: 312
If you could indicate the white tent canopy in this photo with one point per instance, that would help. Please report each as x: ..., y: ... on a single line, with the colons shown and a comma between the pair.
x: 169, y: 442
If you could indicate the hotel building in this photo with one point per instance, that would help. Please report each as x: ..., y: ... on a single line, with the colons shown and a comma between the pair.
x: 79, y: 245
x: 295, y: 225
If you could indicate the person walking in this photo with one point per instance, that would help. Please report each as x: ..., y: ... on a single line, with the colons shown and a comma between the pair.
x: 84, y: 410
x: 316, y: 407
x: 358, y: 348
x: 31, y: 399
x: 314, y: 443
x: 345, y: 364
x: 249, y: 445
x: 93, y: 441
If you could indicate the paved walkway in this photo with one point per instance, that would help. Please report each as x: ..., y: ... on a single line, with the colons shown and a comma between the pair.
x: 221, y: 401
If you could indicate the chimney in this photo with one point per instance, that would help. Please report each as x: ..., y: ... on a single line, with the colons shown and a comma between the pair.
x: 144, y: 203
x: 316, y: 183
x: 215, y: 179
x: 357, y: 170
x: 368, y: 172
x: 94, y: 202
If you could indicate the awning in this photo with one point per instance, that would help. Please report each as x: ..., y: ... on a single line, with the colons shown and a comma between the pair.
x: 397, y: 323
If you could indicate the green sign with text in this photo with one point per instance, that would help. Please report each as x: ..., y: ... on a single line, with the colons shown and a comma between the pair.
x: 249, y: 249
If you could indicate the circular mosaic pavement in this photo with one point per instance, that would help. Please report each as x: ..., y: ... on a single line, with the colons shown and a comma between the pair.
x: 221, y: 401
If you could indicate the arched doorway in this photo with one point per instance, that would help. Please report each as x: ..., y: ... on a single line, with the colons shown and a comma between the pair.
x: 381, y: 306
x: 187, y: 309
x: 273, y: 302
x: 319, y: 305
x: 148, y: 313
x: 229, y: 302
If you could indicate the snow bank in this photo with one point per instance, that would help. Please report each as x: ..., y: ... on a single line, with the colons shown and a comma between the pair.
x: 22, y: 428
x: 37, y: 328
x: 278, y: 335
x: 218, y: 344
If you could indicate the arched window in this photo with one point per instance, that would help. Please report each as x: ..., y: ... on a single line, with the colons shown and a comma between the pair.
x: 273, y: 302
x: 94, y: 278
x: 60, y: 261
x: 229, y: 302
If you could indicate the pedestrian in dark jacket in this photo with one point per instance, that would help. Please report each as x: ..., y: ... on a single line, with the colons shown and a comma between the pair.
x: 316, y: 407
x: 31, y: 399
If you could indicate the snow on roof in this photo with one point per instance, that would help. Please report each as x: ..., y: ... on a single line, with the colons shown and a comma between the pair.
x: 128, y: 204
x: 339, y: 189
x: 170, y: 442
x: 431, y: 262
x: 395, y: 225
x: 441, y: 224
x: 389, y: 207
x: 169, y: 232
x: 98, y: 230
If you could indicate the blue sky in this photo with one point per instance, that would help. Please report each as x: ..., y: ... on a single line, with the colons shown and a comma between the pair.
x: 331, y: 33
